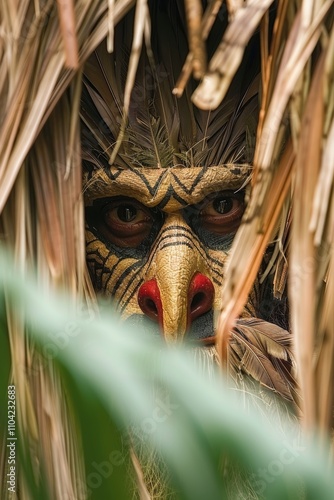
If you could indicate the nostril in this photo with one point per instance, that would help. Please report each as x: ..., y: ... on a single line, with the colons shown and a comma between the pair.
x: 200, y: 297
x: 151, y: 307
x: 149, y: 300
x: 197, y: 301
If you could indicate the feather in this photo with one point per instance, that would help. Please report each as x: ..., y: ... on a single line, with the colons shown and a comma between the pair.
x: 263, y: 351
x: 271, y: 338
x: 153, y: 149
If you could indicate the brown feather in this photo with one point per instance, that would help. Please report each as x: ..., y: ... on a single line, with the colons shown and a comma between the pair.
x: 263, y: 351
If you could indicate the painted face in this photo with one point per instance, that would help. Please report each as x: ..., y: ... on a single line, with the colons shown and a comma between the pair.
x: 157, y: 241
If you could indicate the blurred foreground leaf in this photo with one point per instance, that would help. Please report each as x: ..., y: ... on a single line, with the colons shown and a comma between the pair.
x: 196, y: 423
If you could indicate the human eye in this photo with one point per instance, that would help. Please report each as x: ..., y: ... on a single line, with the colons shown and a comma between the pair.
x: 221, y: 214
x: 124, y: 222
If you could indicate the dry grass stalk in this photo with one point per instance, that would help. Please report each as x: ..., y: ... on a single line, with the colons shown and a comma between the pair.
x: 227, y: 58
x: 140, y: 26
x: 68, y: 30
x: 271, y: 64
x: 196, y: 43
x: 303, y: 255
x: 142, y: 489
x: 111, y: 15
x: 248, y: 248
x: 287, y: 81
x: 40, y: 190
x: 209, y: 18
x: 233, y: 6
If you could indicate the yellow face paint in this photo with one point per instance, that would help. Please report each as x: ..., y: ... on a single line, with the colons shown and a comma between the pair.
x: 157, y: 241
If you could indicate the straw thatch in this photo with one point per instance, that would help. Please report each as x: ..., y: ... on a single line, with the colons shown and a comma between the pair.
x: 43, y: 46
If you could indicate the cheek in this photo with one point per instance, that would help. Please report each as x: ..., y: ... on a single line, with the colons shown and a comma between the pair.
x: 119, y: 273
x: 217, y: 300
x: 112, y: 271
x: 216, y: 272
x: 114, y: 274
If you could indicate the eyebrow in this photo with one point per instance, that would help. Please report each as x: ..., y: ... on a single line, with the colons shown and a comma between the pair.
x: 154, y: 186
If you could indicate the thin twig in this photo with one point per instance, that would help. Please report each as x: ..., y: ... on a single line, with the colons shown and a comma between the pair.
x: 137, y: 43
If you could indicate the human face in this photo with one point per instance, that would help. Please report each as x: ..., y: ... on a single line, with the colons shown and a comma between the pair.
x: 157, y: 242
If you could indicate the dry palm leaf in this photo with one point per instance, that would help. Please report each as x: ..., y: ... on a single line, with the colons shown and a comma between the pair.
x: 302, y: 280
x: 290, y: 80
x: 41, y: 202
x: 249, y: 246
x: 43, y: 184
x: 34, y: 88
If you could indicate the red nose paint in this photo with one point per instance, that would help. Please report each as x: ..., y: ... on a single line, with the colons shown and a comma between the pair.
x: 200, y: 297
x: 149, y: 301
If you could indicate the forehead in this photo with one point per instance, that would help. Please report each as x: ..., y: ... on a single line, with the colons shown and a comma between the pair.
x: 168, y: 188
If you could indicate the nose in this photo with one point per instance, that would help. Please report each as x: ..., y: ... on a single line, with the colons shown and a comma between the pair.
x: 200, y: 296
x: 149, y: 301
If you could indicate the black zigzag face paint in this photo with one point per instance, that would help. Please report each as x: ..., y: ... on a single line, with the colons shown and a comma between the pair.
x: 157, y: 241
